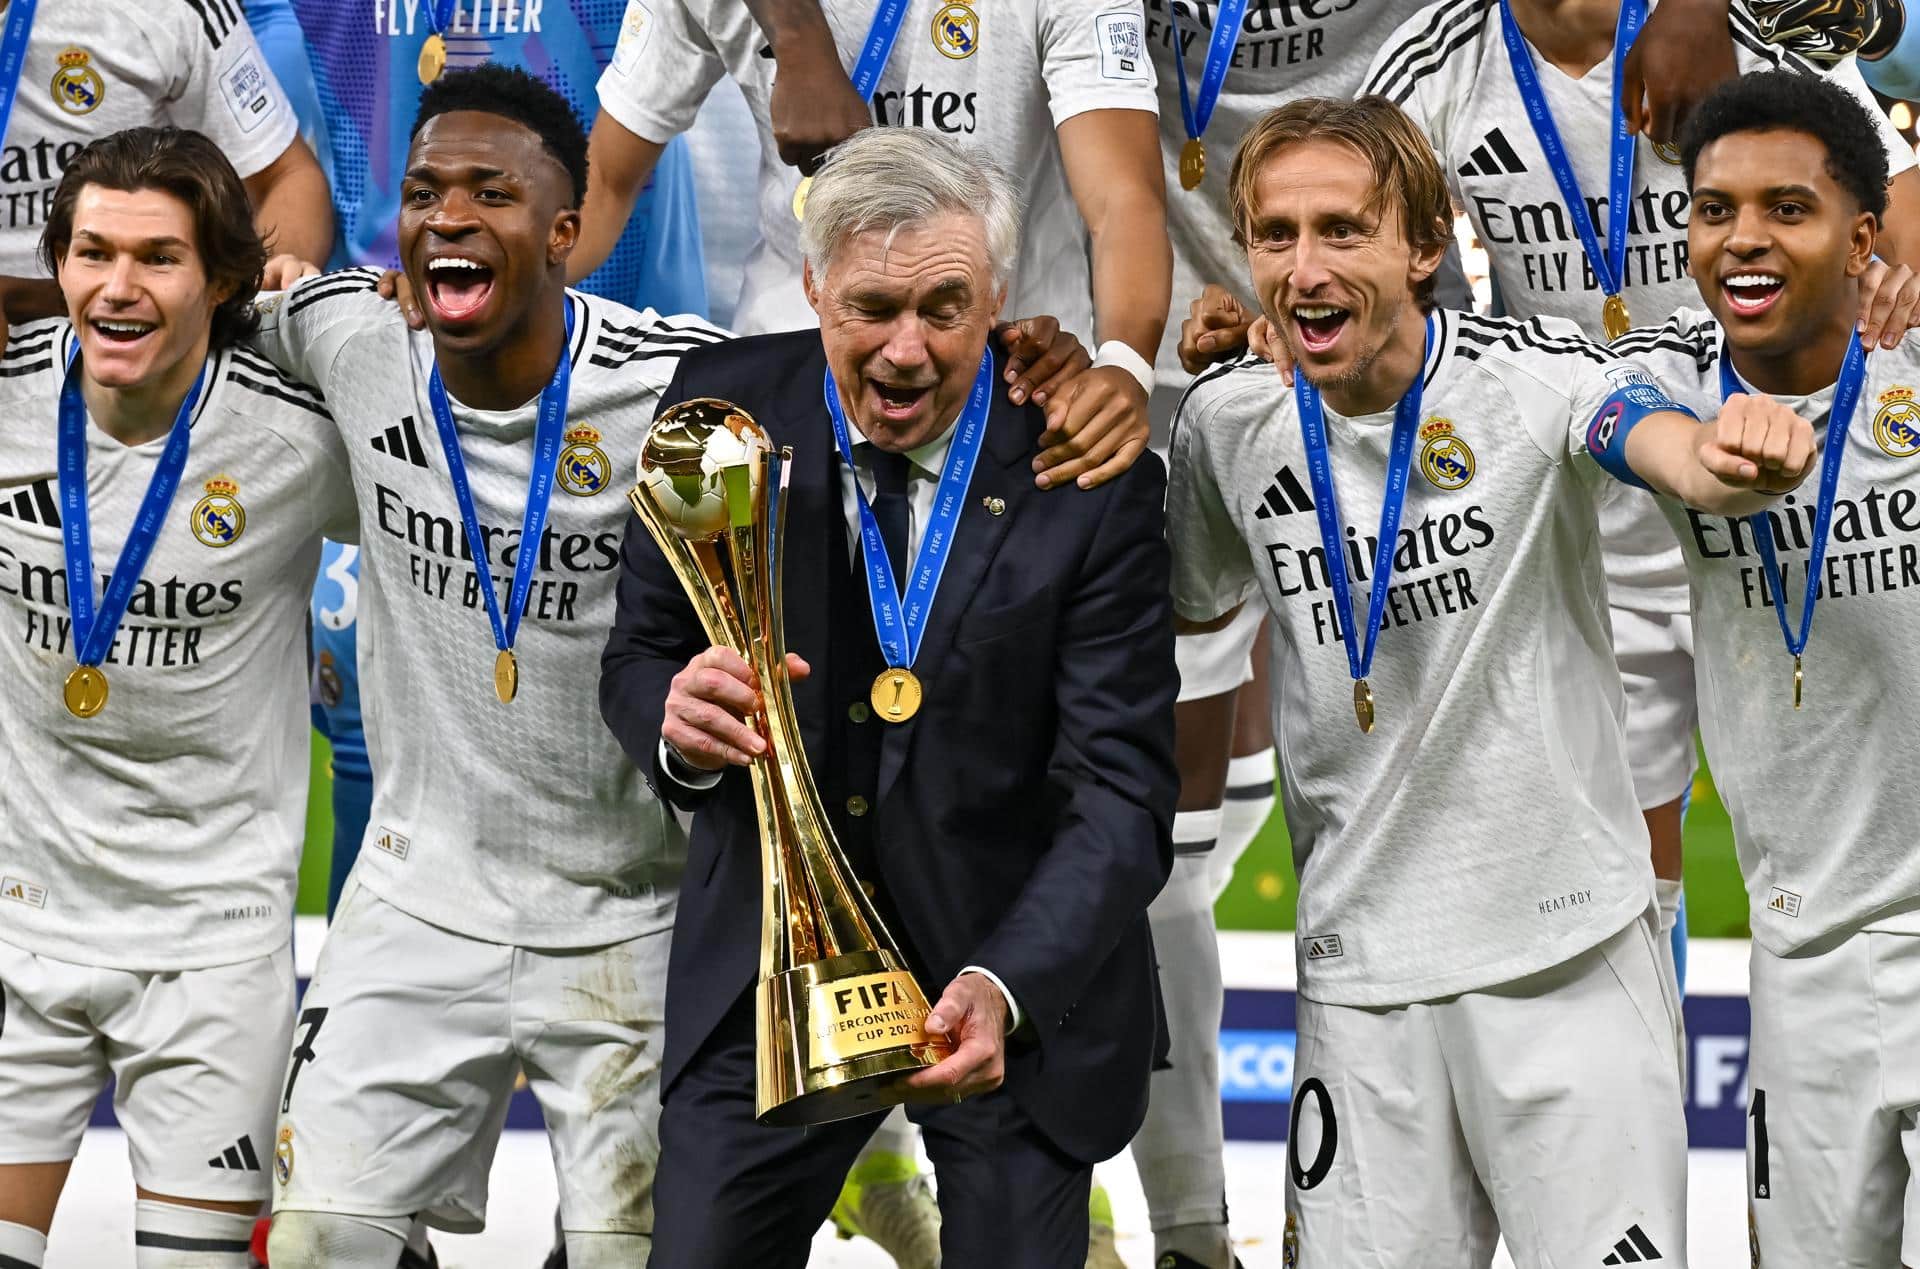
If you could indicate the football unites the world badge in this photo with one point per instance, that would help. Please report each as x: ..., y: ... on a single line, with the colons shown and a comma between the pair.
x: 218, y: 519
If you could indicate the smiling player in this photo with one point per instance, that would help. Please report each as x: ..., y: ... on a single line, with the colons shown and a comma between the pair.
x: 162, y: 496
x: 1788, y: 185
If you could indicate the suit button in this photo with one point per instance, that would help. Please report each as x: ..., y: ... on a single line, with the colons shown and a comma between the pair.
x: 858, y: 712
x: 856, y: 805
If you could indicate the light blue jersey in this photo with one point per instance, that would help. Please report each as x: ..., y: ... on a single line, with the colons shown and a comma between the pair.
x: 365, y: 55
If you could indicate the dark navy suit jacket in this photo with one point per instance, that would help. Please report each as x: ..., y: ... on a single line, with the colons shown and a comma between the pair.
x: 1023, y: 816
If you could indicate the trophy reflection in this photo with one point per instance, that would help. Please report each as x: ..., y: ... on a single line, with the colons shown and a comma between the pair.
x: 839, y: 1018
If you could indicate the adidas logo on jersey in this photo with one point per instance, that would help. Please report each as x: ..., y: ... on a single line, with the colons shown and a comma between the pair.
x: 1283, y: 497
x: 1494, y: 156
x: 1633, y: 1249
x: 1323, y: 948
x: 35, y: 504
x: 395, y: 844
x: 402, y: 441
x: 23, y: 892
x: 1784, y: 902
x: 238, y: 1157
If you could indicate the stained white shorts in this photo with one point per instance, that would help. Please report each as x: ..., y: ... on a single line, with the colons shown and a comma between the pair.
x: 405, y: 1055
x: 1546, y: 1111
x: 196, y: 1056
x: 1834, y: 1079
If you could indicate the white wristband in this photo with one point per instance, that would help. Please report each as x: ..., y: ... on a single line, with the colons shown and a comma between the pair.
x: 1116, y: 353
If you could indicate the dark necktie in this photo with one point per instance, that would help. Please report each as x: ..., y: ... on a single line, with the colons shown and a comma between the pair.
x: 890, y: 506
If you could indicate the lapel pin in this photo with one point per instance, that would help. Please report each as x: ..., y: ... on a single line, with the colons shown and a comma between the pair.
x: 994, y: 506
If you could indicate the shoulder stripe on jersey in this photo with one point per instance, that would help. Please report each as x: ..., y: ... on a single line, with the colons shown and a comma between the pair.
x: 352, y: 282
x: 27, y: 368
x: 1454, y: 25
x: 653, y: 343
x: 265, y: 369
x: 1215, y: 371
x: 1486, y: 333
x: 1704, y: 356
x: 28, y: 345
x: 265, y: 389
x: 662, y: 332
x: 215, y: 19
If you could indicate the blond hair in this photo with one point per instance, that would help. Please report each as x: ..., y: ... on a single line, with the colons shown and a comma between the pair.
x: 1405, y: 170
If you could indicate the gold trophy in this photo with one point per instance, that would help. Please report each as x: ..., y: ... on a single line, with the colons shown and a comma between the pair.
x: 840, y: 1019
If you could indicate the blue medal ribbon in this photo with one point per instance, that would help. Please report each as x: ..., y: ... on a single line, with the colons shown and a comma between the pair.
x: 93, y: 631
x: 881, y: 33
x: 439, y: 15
x: 900, y: 622
x: 13, y: 55
x: 547, y: 434
x: 1846, y: 397
x: 1313, y: 431
x: 1198, y: 113
x: 1610, y: 265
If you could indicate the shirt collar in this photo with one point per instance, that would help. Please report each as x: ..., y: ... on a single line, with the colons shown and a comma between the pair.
x: 929, y: 459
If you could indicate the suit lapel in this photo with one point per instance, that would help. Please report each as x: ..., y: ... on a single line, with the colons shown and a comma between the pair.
x: 1002, y: 477
x: 813, y: 519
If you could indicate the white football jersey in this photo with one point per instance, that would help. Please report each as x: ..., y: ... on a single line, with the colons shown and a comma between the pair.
x: 1000, y: 74
x: 1487, y: 827
x: 164, y: 833
x: 1447, y: 67
x: 1285, y: 50
x: 1823, y: 809
x: 519, y: 823
x: 98, y: 66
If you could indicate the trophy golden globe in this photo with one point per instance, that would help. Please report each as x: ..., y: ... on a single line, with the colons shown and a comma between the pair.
x: 840, y: 1019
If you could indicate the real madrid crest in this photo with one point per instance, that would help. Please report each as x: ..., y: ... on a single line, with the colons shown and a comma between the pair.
x: 218, y: 519
x: 77, y: 86
x: 956, y: 29
x: 1445, y: 459
x: 1290, y: 1243
x: 584, y: 469
x: 1896, y: 428
x: 283, y: 1156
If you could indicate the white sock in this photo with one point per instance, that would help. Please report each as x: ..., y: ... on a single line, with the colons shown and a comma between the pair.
x: 1249, y: 802
x: 1178, y: 1150
x: 175, y: 1236
x: 1668, y: 895
x: 607, y: 1251
x: 1196, y: 832
x: 327, y: 1240
x: 21, y: 1245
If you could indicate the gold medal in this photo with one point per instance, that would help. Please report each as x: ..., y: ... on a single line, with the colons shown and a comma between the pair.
x: 1193, y: 163
x: 433, y: 58
x: 1613, y: 316
x: 1796, y: 682
x: 506, y: 675
x: 896, y: 695
x: 800, y: 193
x: 86, y: 691
x: 1363, y: 704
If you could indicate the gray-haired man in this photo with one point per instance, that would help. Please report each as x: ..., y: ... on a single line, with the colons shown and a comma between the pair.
x: 1014, y: 829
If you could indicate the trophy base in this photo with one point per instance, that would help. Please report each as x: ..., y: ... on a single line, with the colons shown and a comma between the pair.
x: 839, y: 1037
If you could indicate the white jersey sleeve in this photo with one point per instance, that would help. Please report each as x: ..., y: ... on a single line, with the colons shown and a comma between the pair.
x: 1093, y: 56
x: 1212, y: 563
x: 302, y: 330
x: 1560, y: 379
x: 662, y: 69
x: 221, y: 84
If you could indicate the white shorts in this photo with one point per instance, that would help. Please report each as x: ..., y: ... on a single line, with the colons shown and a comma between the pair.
x: 1547, y: 1111
x: 1655, y: 654
x: 1832, y: 1146
x: 404, y: 1060
x: 196, y: 1055
x: 1218, y: 662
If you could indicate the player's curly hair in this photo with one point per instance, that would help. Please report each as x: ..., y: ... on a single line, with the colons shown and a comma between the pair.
x: 513, y: 94
x: 194, y: 170
x: 1791, y: 102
